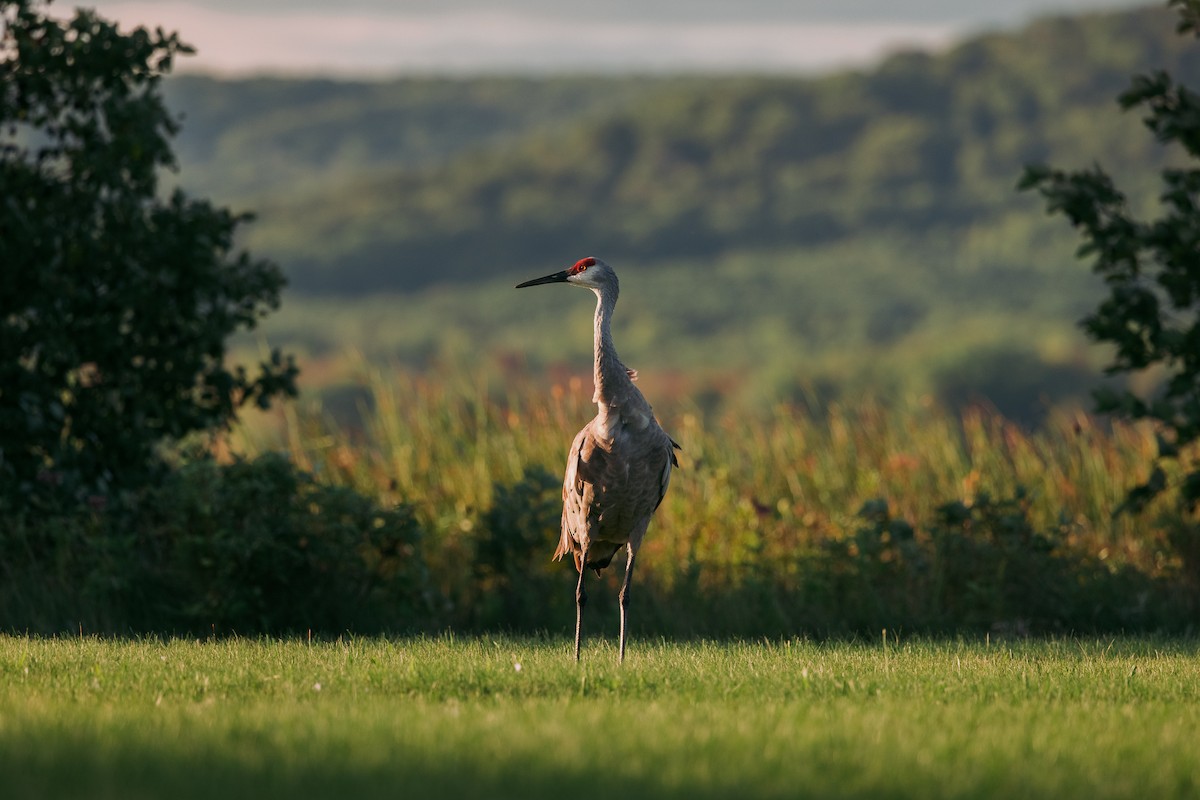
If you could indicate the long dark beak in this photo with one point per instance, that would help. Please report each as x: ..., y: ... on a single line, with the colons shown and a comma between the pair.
x: 558, y: 277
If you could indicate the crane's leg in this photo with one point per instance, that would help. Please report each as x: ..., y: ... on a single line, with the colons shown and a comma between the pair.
x: 625, y: 597
x: 580, y: 602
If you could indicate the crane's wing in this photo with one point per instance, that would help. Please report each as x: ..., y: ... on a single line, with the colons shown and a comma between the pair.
x: 610, y: 489
x: 578, y: 495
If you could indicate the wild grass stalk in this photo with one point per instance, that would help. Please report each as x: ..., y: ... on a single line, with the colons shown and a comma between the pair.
x: 753, y: 488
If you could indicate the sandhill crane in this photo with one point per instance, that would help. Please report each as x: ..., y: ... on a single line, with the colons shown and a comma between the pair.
x: 619, y: 464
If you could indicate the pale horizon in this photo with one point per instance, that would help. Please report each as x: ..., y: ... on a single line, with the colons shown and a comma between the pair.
x: 363, y: 38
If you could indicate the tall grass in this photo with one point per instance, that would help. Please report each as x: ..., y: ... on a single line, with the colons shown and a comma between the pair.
x: 444, y: 442
x: 756, y: 494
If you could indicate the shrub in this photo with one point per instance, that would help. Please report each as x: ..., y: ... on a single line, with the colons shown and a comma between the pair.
x: 57, y: 571
x: 518, y: 585
x: 249, y: 547
x: 977, y: 565
x: 871, y: 579
x: 258, y: 546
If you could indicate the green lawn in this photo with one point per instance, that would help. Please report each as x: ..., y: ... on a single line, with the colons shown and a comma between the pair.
x: 452, y: 718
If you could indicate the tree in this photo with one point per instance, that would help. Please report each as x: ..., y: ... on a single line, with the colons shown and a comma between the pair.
x: 115, y: 303
x: 1151, y: 315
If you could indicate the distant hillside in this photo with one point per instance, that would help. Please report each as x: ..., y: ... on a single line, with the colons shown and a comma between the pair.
x: 246, y: 139
x: 467, y: 176
x: 776, y: 238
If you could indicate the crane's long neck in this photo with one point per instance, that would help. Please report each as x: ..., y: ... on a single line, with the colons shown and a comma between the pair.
x: 610, y: 374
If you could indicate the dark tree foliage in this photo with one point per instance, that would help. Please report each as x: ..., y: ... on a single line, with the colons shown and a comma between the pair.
x: 115, y: 303
x: 1151, y: 315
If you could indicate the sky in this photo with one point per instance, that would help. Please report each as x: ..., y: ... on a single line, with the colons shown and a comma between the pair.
x: 364, y: 38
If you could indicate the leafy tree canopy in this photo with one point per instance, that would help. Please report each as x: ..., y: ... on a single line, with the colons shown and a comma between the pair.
x: 115, y: 304
x: 1151, y: 268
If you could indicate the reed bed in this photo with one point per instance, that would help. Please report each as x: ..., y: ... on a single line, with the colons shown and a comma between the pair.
x: 752, y: 488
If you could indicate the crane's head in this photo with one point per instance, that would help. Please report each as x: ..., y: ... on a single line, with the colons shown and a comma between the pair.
x: 589, y: 272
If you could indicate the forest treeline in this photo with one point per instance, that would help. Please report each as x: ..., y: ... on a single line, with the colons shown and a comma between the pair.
x: 363, y: 187
x: 777, y: 238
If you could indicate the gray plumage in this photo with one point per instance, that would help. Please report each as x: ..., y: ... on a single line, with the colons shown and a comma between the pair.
x: 619, y: 465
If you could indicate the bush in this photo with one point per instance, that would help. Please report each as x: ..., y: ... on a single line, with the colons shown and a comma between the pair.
x: 980, y: 565
x: 56, y: 571
x: 518, y: 585
x: 260, y: 547
x: 257, y: 546
x: 250, y: 547
x: 991, y: 567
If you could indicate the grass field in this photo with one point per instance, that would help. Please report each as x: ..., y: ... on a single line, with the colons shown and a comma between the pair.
x: 515, y: 718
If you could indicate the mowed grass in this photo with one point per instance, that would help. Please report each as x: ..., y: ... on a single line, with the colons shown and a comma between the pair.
x: 434, y: 718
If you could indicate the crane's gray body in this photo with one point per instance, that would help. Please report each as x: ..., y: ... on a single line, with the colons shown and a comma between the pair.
x: 619, y: 465
x: 617, y: 473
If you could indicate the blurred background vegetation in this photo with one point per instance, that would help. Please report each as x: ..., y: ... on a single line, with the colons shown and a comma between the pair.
x: 864, y: 337
x: 777, y: 238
